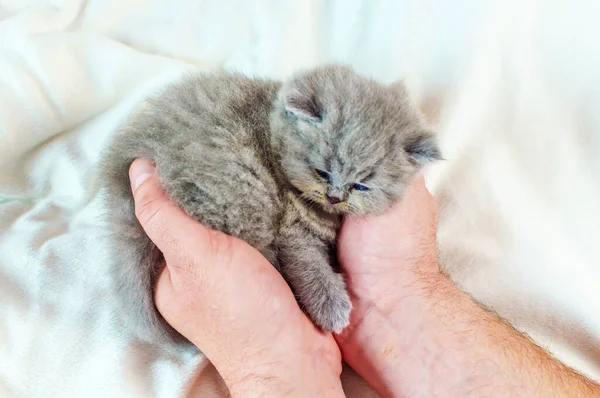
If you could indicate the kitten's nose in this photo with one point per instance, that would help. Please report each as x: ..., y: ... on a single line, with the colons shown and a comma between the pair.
x: 333, y: 199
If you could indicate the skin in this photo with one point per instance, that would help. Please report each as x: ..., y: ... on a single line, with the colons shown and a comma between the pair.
x: 205, y: 267
x: 412, y: 332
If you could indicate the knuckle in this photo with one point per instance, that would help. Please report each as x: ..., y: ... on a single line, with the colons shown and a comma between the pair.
x: 147, y: 207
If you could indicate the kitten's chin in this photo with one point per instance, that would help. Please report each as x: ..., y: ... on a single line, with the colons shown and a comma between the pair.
x: 343, y: 209
x: 346, y: 209
x: 337, y: 210
x: 333, y: 210
x: 363, y: 211
x: 354, y: 212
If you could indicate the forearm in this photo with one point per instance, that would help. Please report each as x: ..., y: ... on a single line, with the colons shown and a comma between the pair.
x: 438, y: 342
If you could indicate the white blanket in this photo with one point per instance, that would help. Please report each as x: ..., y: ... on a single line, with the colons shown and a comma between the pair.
x: 513, y: 88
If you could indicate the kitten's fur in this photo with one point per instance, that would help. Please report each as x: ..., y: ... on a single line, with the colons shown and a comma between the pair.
x: 240, y: 155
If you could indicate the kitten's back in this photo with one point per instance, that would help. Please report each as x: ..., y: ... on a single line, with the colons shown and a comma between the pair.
x: 209, y: 138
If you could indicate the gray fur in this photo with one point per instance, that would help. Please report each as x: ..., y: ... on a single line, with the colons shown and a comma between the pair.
x: 240, y: 155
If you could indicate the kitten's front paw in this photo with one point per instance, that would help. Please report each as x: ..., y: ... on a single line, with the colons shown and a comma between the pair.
x: 330, y: 308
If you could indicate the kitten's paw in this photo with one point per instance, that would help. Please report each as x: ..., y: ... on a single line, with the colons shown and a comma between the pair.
x: 330, y: 309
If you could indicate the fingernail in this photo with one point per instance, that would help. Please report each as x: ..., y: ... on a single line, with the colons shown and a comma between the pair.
x: 140, y: 171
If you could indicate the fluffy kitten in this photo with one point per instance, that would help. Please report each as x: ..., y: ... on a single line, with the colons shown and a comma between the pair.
x: 273, y: 164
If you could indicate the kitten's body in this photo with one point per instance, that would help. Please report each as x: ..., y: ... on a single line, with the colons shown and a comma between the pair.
x: 240, y: 155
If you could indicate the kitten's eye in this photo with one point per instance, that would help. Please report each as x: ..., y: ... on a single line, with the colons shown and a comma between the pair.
x: 360, y: 187
x: 323, y: 174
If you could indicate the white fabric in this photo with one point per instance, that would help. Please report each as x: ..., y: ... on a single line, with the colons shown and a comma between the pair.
x: 512, y: 86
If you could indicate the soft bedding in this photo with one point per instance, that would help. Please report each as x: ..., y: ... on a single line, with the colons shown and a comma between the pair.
x: 513, y: 88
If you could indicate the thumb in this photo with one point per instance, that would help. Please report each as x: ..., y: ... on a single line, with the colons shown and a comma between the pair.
x: 165, y: 223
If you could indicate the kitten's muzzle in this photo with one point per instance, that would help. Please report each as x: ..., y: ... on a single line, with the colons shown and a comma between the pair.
x: 334, y: 199
x: 335, y: 196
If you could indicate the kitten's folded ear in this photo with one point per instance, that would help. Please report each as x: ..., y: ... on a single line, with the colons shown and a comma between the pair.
x: 299, y: 101
x: 399, y: 87
x: 422, y: 147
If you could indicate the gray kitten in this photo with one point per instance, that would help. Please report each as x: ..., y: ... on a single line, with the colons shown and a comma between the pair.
x: 273, y: 164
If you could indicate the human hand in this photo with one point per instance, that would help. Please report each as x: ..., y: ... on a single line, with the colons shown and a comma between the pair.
x: 390, y: 261
x: 228, y: 300
x: 392, y: 253
x: 414, y: 333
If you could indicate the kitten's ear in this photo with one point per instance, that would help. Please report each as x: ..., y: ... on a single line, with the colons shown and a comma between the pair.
x: 422, y: 147
x: 301, y: 103
x: 399, y: 87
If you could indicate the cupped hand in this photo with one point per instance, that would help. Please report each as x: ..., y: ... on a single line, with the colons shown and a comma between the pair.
x: 391, y: 265
x: 228, y: 300
x: 386, y: 254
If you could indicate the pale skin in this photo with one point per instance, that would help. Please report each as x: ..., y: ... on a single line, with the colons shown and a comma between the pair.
x: 413, y: 333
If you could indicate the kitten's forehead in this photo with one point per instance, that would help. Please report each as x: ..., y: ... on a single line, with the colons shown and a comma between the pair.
x: 357, y: 159
x: 367, y: 128
x: 359, y: 124
x: 352, y: 103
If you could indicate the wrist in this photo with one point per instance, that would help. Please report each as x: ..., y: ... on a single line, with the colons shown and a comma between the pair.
x: 388, y: 342
x: 285, y: 380
x: 296, y: 367
x: 258, y: 385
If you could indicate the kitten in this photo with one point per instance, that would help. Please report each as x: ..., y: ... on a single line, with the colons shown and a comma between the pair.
x: 274, y: 164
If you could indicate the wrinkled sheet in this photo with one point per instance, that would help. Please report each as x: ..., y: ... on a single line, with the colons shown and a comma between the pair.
x: 513, y: 88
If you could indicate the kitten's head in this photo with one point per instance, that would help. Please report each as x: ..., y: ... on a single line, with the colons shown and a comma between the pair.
x: 349, y: 143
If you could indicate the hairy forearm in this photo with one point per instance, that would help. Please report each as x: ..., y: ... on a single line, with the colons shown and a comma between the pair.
x: 437, y: 342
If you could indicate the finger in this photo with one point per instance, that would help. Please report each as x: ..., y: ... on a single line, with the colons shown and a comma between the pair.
x: 233, y: 306
x: 408, y: 227
x: 195, y: 254
x: 415, y: 204
x: 416, y: 214
x: 167, y: 225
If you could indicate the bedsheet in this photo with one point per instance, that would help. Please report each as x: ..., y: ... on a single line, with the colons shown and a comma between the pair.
x: 512, y: 87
